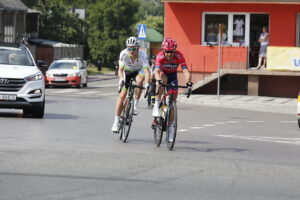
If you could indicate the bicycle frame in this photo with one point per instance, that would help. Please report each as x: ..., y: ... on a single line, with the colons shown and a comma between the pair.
x: 127, y: 112
x: 169, y: 114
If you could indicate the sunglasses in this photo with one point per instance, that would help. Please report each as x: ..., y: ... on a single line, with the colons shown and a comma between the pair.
x: 169, y: 51
x: 132, y: 49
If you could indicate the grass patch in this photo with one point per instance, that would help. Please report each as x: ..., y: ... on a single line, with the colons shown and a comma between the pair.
x: 93, y: 70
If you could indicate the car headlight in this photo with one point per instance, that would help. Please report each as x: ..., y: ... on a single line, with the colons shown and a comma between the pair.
x: 34, y: 77
x: 73, y: 74
x: 49, y: 75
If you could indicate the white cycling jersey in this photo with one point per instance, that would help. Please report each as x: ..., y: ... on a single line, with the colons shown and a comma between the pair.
x: 132, y: 66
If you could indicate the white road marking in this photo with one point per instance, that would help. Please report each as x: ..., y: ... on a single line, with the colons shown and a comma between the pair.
x: 89, y: 92
x: 182, y: 130
x: 255, y: 121
x: 232, y: 121
x: 196, y: 127
x: 220, y: 123
x: 295, y: 141
x: 208, y: 125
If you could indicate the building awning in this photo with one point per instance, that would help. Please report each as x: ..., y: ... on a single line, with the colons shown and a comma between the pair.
x: 236, y: 1
x: 153, y: 35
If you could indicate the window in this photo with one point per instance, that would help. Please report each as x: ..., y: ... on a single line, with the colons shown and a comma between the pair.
x: 211, y: 27
x: 9, y: 34
x: 236, y: 28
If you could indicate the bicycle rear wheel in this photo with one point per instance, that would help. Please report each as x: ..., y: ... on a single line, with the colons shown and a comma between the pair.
x: 171, y: 130
x: 157, y: 127
x: 127, y: 120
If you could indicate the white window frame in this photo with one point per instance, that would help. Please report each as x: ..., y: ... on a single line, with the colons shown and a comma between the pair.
x: 230, y: 27
x: 298, y: 30
x: 9, y: 34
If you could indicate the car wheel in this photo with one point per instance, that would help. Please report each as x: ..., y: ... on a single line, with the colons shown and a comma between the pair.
x: 299, y: 122
x: 35, y: 111
x: 85, y: 84
x: 79, y: 85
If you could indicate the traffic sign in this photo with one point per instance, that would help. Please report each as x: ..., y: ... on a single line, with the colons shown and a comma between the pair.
x: 142, y: 28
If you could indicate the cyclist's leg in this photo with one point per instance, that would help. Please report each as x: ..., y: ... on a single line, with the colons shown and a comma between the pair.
x: 140, y: 78
x: 172, y: 78
x: 120, y: 103
x: 156, y: 111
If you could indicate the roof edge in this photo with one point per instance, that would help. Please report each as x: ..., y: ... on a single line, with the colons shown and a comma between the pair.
x: 232, y: 2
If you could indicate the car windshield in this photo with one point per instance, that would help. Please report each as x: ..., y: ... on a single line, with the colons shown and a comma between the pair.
x: 15, y: 56
x: 64, y: 65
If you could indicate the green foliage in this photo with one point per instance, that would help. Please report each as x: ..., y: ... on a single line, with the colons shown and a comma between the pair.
x: 155, y: 22
x: 57, y: 22
x: 107, y: 25
x: 150, y: 7
x: 110, y: 24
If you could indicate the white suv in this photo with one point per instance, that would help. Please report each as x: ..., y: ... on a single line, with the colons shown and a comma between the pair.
x: 22, y: 85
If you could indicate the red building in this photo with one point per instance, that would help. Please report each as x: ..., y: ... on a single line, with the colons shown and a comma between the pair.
x: 194, y: 25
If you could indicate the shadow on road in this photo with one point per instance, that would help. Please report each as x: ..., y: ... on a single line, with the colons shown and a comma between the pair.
x: 59, y: 116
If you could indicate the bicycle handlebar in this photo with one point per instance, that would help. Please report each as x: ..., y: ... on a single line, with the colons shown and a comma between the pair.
x: 132, y: 85
x: 188, y: 93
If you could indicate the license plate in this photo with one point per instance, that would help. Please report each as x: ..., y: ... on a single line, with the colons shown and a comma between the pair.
x: 8, y: 97
x: 59, y: 79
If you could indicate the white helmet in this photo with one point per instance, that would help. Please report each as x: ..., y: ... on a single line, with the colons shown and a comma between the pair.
x: 132, y: 42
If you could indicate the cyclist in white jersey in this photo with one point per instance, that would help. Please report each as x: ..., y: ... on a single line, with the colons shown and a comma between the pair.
x: 133, y: 63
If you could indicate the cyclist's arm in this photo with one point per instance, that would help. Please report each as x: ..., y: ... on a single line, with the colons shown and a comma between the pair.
x: 157, y: 74
x: 147, y: 75
x: 187, y: 75
x: 121, y: 72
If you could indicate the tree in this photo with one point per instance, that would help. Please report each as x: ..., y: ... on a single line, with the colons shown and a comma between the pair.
x: 155, y: 22
x: 57, y: 22
x: 110, y: 24
x: 150, y: 8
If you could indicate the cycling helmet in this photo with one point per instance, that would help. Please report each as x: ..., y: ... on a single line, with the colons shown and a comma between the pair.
x: 132, y: 42
x: 169, y: 45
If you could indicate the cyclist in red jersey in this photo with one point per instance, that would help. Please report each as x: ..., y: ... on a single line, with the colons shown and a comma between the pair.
x: 166, y: 64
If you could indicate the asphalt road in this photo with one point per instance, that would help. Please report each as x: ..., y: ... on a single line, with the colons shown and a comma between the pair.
x: 219, y: 153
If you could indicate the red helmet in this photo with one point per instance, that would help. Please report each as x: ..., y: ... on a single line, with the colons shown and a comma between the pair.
x: 169, y: 45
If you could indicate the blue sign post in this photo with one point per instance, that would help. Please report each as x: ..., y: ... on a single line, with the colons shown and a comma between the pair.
x: 142, y: 30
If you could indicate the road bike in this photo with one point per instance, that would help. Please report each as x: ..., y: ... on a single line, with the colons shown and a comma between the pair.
x: 127, y: 112
x: 151, y: 94
x: 168, y: 111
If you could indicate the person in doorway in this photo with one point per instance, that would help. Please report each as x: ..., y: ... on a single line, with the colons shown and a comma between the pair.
x: 264, y: 43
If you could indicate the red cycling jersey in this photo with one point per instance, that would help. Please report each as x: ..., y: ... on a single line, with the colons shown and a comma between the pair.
x: 170, y: 66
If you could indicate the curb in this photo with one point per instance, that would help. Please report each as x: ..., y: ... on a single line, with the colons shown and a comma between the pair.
x: 254, y: 103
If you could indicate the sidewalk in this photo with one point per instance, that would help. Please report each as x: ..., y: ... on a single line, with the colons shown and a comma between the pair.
x: 256, y: 103
x: 101, y: 77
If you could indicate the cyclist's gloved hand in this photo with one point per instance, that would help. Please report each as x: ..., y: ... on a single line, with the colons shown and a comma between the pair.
x: 189, y: 84
x: 121, y: 83
x: 147, y: 86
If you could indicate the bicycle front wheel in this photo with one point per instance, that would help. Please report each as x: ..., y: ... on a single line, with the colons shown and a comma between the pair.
x: 171, y: 126
x: 127, y: 120
x: 157, y: 127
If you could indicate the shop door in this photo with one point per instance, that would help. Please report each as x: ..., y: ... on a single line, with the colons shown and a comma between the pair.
x: 257, y: 21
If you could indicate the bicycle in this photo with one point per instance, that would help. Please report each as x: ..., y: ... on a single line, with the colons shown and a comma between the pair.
x: 127, y: 112
x: 161, y: 124
x: 151, y: 94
